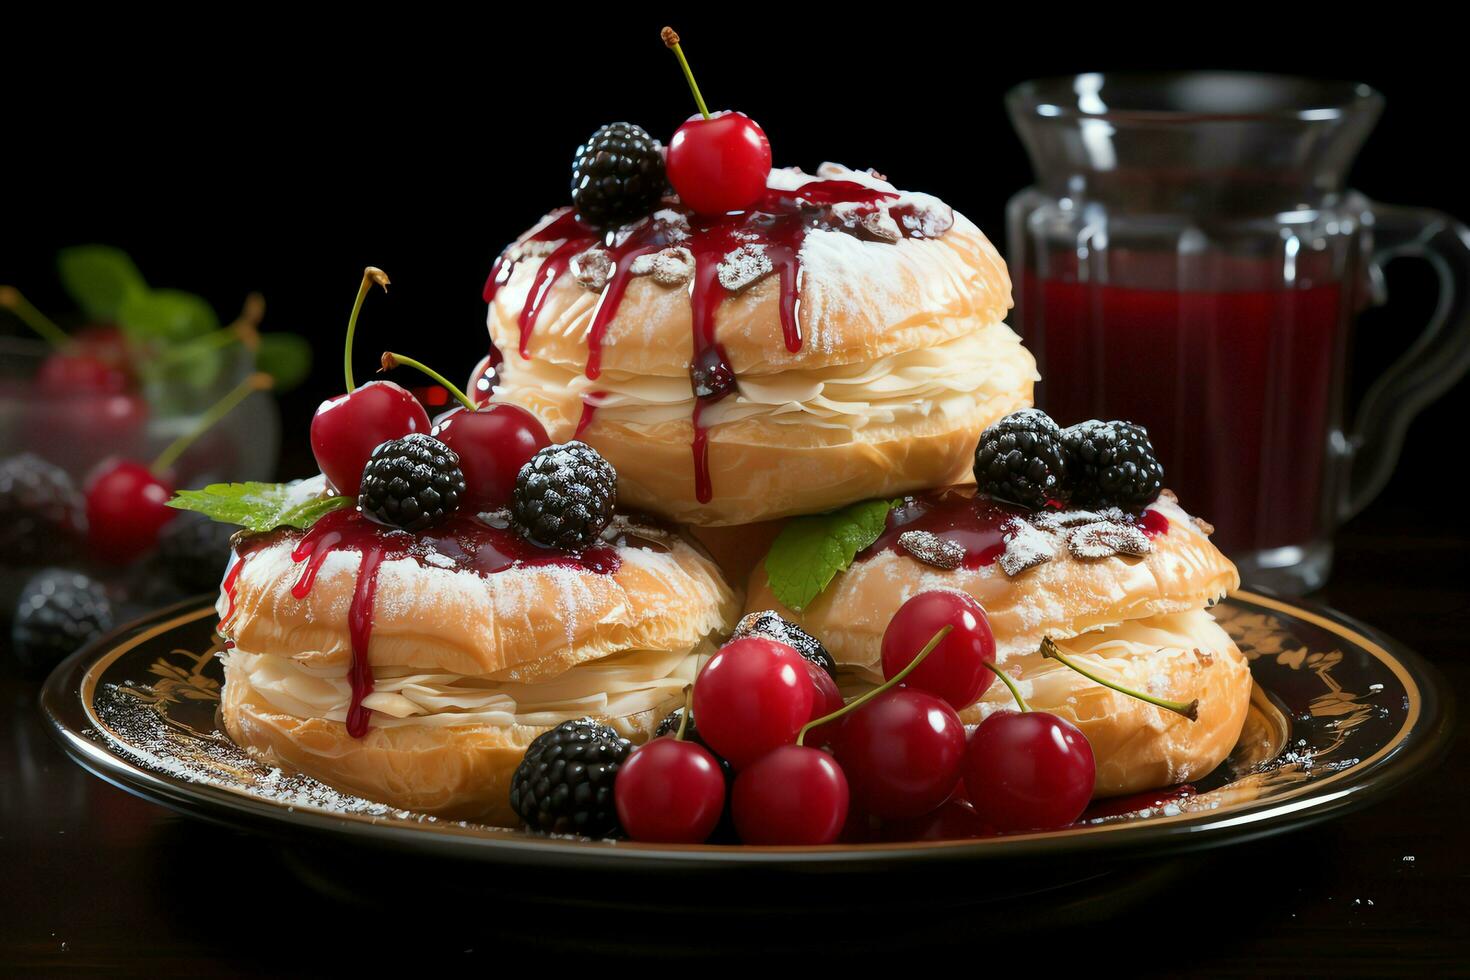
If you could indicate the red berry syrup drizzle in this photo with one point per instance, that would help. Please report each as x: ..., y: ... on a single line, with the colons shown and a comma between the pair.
x: 977, y: 523
x: 230, y: 587
x: 589, y: 409
x: 973, y: 521
x: 460, y: 543
x: 777, y: 227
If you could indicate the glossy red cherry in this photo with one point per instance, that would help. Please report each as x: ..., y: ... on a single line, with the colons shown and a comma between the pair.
x: 346, y: 429
x: 127, y: 505
x: 955, y: 819
x: 752, y: 697
x: 1029, y: 771
x: 902, y: 753
x: 670, y: 792
x: 76, y: 372
x: 719, y: 164
x: 793, y: 795
x: 956, y: 670
x: 826, y: 699
x: 493, y: 444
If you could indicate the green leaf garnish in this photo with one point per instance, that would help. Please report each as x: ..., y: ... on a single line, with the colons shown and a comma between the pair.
x: 810, y: 551
x: 286, y: 357
x: 98, y: 278
x: 167, y: 315
x: 258, y: 507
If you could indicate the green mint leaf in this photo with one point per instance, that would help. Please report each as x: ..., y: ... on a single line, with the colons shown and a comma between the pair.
x: 810, y: 551
x: 167, y: 315
x: 286, y: 357
x: 98, y: 278
x: 258, y: 507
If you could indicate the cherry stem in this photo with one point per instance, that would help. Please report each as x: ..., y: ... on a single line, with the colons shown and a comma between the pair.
x: 245, y: 330
x: 170, y: 455
x: 392, y: 360
x: 1010, y: 684
x: 671, y: 41
x: 688, y: 710
x: 12, y: 300
x: 887, y: 685
x: 1189, y: 710
x: 370, y: 275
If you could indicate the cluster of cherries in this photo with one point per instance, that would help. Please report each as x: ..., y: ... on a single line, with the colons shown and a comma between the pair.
x: 805, y: 764
x: 92, y: 395
x: 493, y: 441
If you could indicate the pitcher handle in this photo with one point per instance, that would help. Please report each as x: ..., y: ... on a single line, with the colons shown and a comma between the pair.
x: 1429, y: 368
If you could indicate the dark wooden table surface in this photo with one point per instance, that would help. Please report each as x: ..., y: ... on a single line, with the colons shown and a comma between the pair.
x: 92, y: 879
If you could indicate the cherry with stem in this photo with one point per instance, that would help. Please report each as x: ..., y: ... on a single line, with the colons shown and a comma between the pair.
x: 127, y: 501
x: 493, y: 441
x: 718, y: 162
x: 346, y: 429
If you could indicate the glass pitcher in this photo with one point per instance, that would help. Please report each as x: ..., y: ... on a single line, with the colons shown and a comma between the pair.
x: 1189, y: 259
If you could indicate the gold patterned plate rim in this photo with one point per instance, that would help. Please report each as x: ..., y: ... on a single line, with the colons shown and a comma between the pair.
x: 1348, y: 715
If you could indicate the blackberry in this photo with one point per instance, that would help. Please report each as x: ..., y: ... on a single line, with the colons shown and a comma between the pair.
x: 617, y: 175
x: 412, y: 483
x: 42, y: 515
x: 59, y: 612
x: 769, y: 624
x: 193, y: 551
x: 1021, y: 460
x: 564, y: 785
x: 1113, y: 465
x: 564, y: 496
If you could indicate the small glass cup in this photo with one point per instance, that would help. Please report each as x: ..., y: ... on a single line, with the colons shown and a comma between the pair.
x: 1190, y: 259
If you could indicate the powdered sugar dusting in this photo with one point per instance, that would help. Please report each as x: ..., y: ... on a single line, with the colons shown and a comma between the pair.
x: 1026, y: 547
x: 744, y: 266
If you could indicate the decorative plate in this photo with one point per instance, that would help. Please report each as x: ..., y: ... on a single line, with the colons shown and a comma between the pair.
x: 1340, y: 716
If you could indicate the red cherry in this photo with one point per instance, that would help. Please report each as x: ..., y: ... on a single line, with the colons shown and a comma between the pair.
x: 127, y: 505
x: 347, y: 429
x: 76, y: 372
x: 902, y: 753
x: 104, y: 342
x: 493, y: 444
x: 794, y: 795
x: 954, y: 820
x: 752, y: 697
x: 1029, y: 771
x: 719, y: 164
x: 826, y: 699
x: 670, y: 792
x: 956, y: 669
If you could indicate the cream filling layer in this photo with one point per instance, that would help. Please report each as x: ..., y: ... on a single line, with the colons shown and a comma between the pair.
x: 614, y: 687
x: 1126, y: 653
x: 948, y: 380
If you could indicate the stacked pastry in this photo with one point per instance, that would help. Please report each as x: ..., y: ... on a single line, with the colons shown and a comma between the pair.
x: 831, y: 343
x: 718, y: 413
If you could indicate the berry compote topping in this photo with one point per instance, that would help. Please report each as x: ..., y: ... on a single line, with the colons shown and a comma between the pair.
x: 990, y: 531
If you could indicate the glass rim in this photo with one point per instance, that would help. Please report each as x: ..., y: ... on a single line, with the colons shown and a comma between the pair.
x: 1085, y: 96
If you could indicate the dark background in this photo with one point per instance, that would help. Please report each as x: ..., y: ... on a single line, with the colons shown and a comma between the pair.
x: 265, y: 153
x: 283, y: 158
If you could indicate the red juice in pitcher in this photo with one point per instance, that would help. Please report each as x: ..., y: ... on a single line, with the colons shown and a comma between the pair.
x: 1189, y: 257
x: 1235, y: 388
